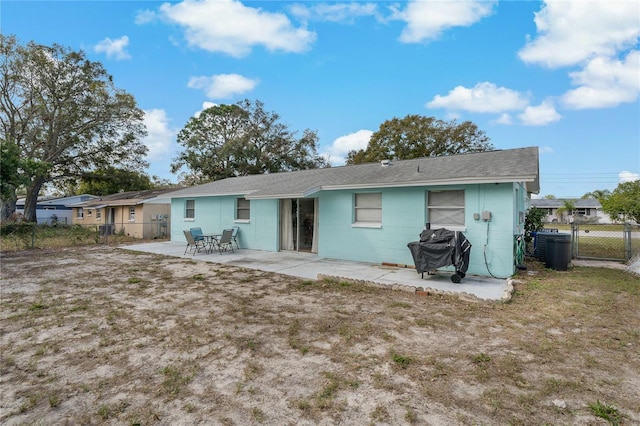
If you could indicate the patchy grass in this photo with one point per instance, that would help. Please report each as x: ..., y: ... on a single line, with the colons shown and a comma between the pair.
x: 99, y: 335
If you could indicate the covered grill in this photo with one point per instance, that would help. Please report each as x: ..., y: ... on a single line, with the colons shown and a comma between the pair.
x: 441, y: 247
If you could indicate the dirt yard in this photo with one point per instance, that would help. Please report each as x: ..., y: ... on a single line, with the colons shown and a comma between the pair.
x: 105, y: 336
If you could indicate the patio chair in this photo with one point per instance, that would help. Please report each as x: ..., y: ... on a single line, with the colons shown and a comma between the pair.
x: 225, y: 241
x: 197, y: 233
x: 234, y: 236
x: 193, y: 245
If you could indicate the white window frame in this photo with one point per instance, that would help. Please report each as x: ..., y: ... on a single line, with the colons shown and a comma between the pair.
x: 98, y: 214
x: 367, y: 210
x: 243, y: 210
x: 436, y: 206
x: 190, y: 209
x: 132, y: 214
x: 80, y: 213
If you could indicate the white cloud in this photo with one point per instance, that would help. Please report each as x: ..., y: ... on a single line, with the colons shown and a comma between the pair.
x: 626, y: 176
x: 426, y: 20
x: 340, y: 147
x: 335, y: 12
x: 222, y: 86
x: 205, y: 105
x: 504, y: 119
x: 229, y: 27
x: 145, y: 16
x: 571, y: 32
x: 114, y: 49
x: 605, y: 83
x: 484, y: 97
x: 160, y: 137
x: 540, y: 115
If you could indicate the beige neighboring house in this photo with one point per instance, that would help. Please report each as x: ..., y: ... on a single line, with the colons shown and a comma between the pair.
x: 587, y: 210
x: 139, y: 214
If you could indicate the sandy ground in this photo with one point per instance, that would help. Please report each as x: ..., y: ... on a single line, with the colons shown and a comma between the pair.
x: 105, y: 336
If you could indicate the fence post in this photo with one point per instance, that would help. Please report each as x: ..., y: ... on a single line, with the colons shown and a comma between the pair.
x: 626, y: 237
x: 575, y: 231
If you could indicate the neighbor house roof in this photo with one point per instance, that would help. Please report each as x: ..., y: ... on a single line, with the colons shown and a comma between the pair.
x: 130, y: 198
x: 49, y: 200
x: 513, y: 165
x: 554, y: 203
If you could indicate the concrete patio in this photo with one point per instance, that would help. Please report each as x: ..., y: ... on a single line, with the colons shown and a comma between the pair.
x: 310, y: 266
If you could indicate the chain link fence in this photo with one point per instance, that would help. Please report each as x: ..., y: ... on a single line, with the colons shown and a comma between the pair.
x: 605, y: 241
x: 26, y: 236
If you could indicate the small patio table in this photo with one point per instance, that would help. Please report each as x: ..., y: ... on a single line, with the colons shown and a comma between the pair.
x: 211, y: 240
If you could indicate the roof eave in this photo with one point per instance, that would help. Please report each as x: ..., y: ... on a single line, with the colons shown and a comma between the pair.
x: 258, y: 196
x: 213, y: 194
x: 432, y: 182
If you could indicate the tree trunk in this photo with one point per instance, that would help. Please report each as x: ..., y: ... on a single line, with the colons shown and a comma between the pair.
x: 7, y: 208
x: 31, y: 201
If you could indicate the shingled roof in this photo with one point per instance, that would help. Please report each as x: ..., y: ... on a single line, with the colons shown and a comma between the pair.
x: 130, y: 198
x: 512, y: 165
x: 554, y: 203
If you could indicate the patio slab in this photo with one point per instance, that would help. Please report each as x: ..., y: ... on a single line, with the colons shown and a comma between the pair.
x: 310, y: 266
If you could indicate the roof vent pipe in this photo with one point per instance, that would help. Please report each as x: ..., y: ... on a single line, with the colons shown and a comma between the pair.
x: 385, y: 163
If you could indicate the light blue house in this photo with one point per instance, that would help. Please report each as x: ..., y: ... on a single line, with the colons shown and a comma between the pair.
x: 370, y: 212
x: 51, y: 210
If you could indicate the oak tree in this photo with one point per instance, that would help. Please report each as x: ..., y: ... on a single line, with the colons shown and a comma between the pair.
x: 416, y: 136
x: 624, y: 202
x: 111, y: 180
x: 242, y: 139
x: 65, y: 115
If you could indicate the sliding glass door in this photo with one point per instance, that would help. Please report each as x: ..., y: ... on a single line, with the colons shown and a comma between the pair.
x: 298, y: 224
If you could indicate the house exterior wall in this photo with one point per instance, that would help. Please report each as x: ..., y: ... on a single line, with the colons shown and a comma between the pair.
x: 86, y: 219
x: 592, y: 215
x: 404, y: 214
x: 214, y: 214
x: 46, y: 215
x: 47, y: 209
x: 156, y: 220
x: 142, y: 227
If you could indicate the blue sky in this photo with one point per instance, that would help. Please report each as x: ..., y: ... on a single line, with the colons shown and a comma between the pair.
x: 560, y: 75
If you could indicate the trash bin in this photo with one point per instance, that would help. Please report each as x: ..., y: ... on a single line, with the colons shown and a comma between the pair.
x: 558, y: 252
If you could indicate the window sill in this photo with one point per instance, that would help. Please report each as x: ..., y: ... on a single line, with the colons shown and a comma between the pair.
x: 188, y: 219
x: 450, y: 227
x: 366, y: 225
x: 242, y: 221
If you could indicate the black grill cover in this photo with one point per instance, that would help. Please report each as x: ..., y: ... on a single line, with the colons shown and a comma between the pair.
x: 440, y: 247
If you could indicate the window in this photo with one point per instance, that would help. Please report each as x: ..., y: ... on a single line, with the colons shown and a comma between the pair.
x: 132, y: 214
x: 445, y: 208
x: 368, y: 208
x: 582, y: 212
x: 80, y: 213
x: 98, y: 214
x: 89, y: 212
x: 190, y: 209
x: 243, y: 209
